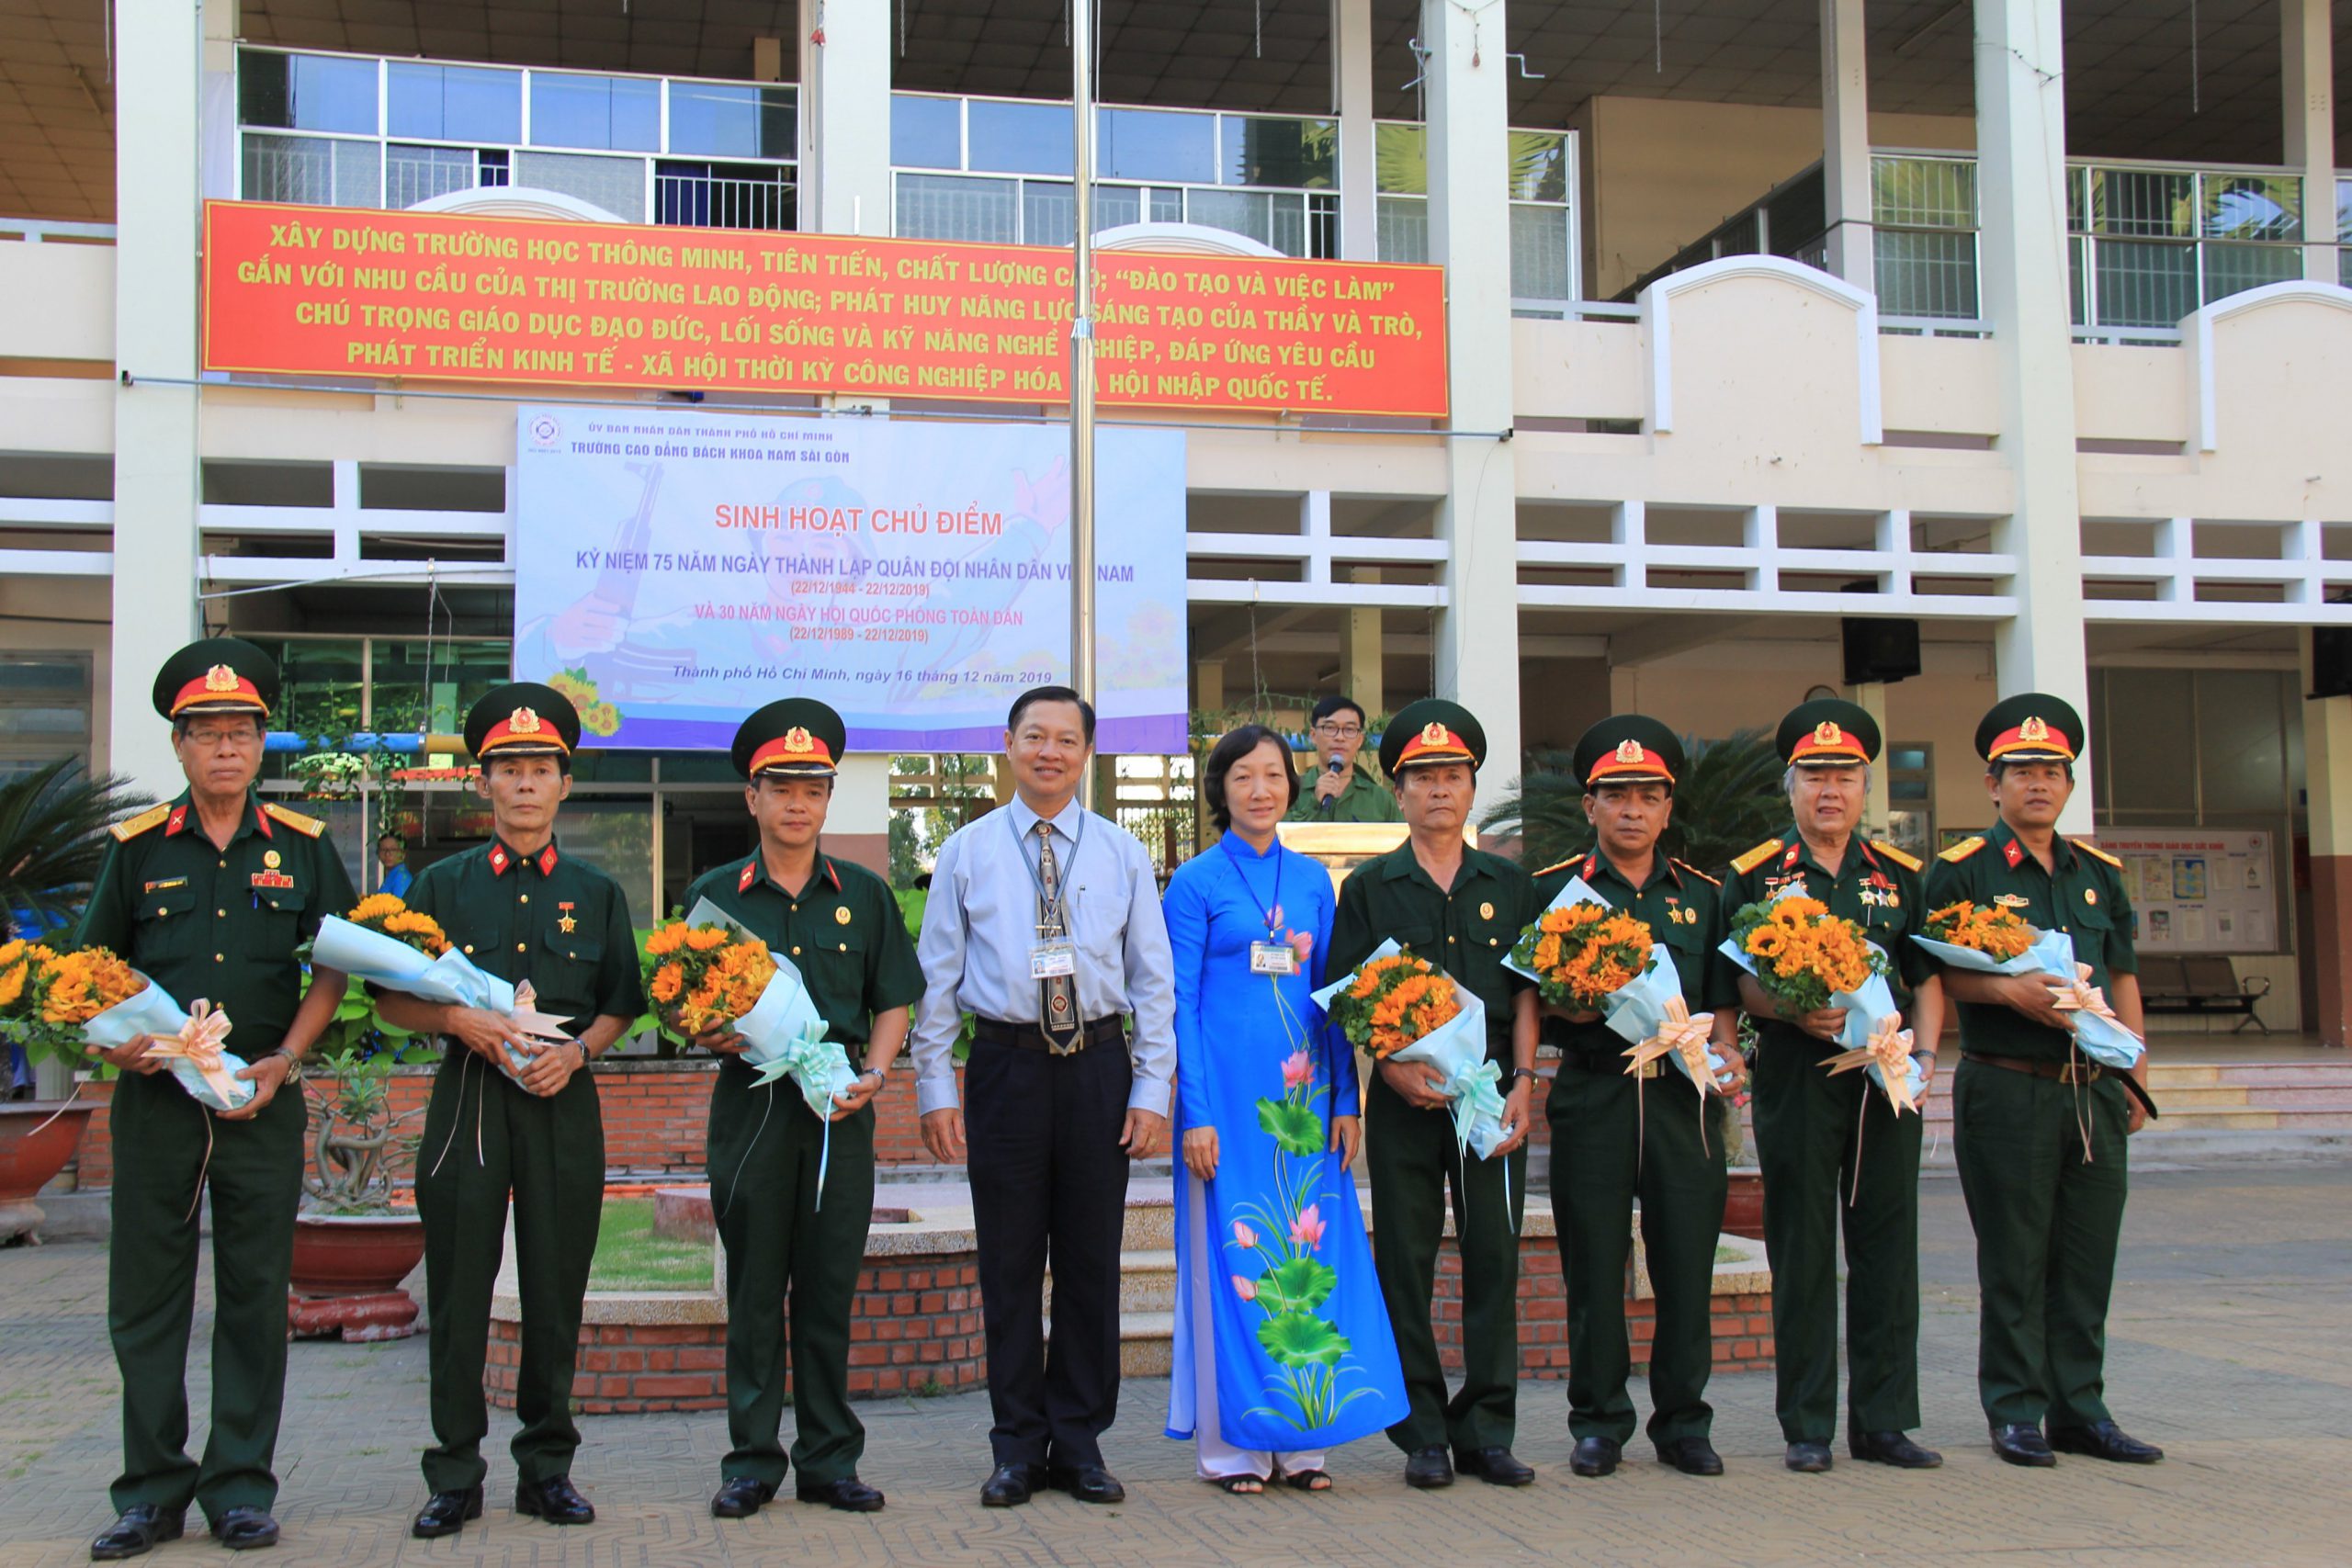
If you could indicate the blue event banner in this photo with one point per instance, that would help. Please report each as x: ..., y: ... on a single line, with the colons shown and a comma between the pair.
x: 675, y: 571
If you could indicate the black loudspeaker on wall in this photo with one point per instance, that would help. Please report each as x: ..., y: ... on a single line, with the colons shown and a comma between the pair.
x: 1879, y: 648
x: 2331, y: 661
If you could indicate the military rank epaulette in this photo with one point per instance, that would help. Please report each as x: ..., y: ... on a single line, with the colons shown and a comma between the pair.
x: 1963, y: 850
x: 1756, y: 856
x: 1559, y: 865
x: 2095, y: 853
x: 309, y: 827
x: 1686, y: 865
x: 1903, y: 857
x: 131, y: 827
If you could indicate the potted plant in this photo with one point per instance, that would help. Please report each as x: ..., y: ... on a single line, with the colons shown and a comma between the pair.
x: 1743, y: 1203
x: 352, y: 1245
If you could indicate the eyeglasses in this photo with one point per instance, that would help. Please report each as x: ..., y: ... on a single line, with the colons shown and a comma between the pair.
x: 214, y: 740
x: 1339, y: 731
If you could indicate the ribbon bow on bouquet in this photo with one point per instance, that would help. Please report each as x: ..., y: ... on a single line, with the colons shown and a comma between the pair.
x: 1476, y: 1094
x: 2081, y: 996
x: 2104, y: 1037
x: 1888, y: 1053
x: 820, y: 1068
x: 1681, y: 1038
x: 202, y: 1045
x: 530, y: 1022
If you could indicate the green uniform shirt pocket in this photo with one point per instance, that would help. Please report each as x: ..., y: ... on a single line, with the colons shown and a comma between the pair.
x: 2093, y: 929
x: 279, y: 912
x: 166, y: 923
x: 573, y: 967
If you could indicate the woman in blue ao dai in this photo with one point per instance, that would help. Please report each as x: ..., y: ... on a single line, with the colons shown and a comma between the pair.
x: 1282, y: 1347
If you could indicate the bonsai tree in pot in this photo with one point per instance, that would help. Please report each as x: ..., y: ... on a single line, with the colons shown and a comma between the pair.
x: 352, y: 1245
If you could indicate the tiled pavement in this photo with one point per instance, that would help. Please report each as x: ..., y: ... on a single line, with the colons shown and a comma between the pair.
x: 2227, y: 1346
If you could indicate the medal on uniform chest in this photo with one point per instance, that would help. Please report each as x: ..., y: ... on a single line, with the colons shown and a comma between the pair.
x: 566, y: 921
x: 2090, y: 895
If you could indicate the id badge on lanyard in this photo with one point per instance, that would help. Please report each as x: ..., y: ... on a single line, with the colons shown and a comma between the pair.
x: 1053, y: 959
x: 1273, y: 958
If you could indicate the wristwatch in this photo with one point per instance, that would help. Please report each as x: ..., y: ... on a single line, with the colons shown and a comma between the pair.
x: 881, y: 1076
x: 1530, y: 1074
x: 293, y: 1064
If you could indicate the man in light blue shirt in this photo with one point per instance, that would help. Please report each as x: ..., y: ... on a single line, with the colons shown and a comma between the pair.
x: 1043, y: 923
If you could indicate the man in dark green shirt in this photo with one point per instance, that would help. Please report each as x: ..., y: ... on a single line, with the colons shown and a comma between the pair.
x: 209, y: 896
x: 791, y: 1217
x: 2038, y: 1130
x: 1461, y: 908
x: 1616, y: 1136
x: 1835, y: 1154
x: 1342, y: 789
x: 521, y: 909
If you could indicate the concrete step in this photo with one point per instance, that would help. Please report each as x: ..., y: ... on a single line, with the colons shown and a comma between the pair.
x: 2165, y: 1145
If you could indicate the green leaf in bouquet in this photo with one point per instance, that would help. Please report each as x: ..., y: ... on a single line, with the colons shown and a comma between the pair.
x: 1295, y: 1129
x: 1298, y: 1339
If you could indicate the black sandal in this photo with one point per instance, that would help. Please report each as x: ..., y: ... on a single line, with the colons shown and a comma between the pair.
x: 1308, y: 1480
x: 1241, y: 1485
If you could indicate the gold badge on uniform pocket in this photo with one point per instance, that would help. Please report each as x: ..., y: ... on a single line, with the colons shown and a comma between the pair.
x: 1486, y: 911
x: 270, y: 860
x: 2090, y: 895
x: 841, y: 915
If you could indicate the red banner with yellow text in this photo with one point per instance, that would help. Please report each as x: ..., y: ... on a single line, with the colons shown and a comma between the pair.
x: 422, y: 297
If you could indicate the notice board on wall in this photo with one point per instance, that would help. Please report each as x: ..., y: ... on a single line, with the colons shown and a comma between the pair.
x: 2200, y: 889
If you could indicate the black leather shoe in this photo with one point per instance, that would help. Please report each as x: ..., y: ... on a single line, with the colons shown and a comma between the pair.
x: 2104, y: 1439
x: 1011, y: 1485
x: 1595, y: 1456
x: 1494, y: 1466
x: 1808, y: 1459
x: 555, y: 1501
x: 1087, y: 1483
x: 1890, y: 1447
x: 739, y: 1497
x: 142, y: 1525
x: 2023, y: 1443
x: 850, y: 1494
x: 1691, y: 1456
x: 1429, y: 1467
x: 245, y: 1529
x: 445, y: 1513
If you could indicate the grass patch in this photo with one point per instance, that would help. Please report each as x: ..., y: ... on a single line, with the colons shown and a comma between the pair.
x: 1728, y: 1254
x: 629, y: 1257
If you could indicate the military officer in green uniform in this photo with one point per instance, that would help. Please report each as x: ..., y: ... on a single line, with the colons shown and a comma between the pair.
x: 522, y: 909
x: 1461, y: 909
x: 836, y: 923
x: 1616, y: 1136
x: 2038, y: 1129
x: 208, y: 896
x: 1835, y: 1156
x: 1344, y: 791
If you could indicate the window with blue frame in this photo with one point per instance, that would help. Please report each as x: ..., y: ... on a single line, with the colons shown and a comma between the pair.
x: 452, y: 103
x: 618, y: 114
x: 306, y: 92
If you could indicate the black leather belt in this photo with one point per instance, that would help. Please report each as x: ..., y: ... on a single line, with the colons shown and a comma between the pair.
x: 2064, y: 1071
x: 1031, y: 1037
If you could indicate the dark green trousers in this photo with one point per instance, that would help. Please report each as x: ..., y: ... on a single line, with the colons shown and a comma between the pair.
x: 485, y: 1136
x: 1607, y: 1148
x: 1413, y: 1160
x: 2046, y: 1230
x: 763, y: 1151
x: 255, y: 1169
x: 1816, y: 1136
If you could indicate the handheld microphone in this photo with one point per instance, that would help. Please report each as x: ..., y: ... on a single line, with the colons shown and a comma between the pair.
x: 1335, y: 767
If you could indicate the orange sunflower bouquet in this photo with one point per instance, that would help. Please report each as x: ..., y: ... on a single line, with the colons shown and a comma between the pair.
x: 1801, y: 955
x: 91, y: 998
x: 1405, y: 1008
x: 387, y: 915
x: 395, y: 947
x: 1581, y: 953
x: 1997, y: 932
x: 48, y: 997
x: 701, y: 977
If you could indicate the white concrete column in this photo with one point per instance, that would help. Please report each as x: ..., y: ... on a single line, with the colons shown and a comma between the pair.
x: 1871, y: 697
x: 159, y: 48
x: 1352, y: 101
x: 845, y: 117
x: 2307, y: 93
x: 1846, y: 144
x: 1360, y: 650
x: 2021, y: 172
x: 1477, y: 634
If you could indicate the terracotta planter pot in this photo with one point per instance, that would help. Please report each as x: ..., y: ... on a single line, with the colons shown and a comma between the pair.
x: 354, y: 1255
x: 37, y: 1137
x: 1744, y: 1208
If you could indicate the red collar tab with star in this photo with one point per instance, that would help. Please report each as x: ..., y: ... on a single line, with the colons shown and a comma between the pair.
x: 751, y: 874
x: 2013, y: 852
x: 176, y: 821
x: 1789, y: 860
x: 751, y: 869
x: 501, y: 857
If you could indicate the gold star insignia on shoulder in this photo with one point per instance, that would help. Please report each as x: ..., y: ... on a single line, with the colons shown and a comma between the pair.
x: 131, y: 827
x: 1963, y: 850
x: 1907, y: 861
x: 1756, y: 856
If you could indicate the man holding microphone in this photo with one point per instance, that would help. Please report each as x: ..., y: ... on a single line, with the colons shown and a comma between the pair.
x: 1344, y: 792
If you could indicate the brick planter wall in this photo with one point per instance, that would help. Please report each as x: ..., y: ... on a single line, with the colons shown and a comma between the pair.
x: 916, y: 1331
x: 654, y: 1113
x: 1743, y: 1322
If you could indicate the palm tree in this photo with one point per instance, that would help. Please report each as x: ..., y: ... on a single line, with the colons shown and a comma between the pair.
x: 54, y: 825
x: 1728, y: 799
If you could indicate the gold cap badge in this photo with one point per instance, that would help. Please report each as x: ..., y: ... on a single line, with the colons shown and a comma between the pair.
x: 2033, y: 729
x: 1435, y: 734
x: 221, y: 678
x: 798, y: 740
x: 1826, y: 733
x: 1629, y: 750
x: 523, y: 721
